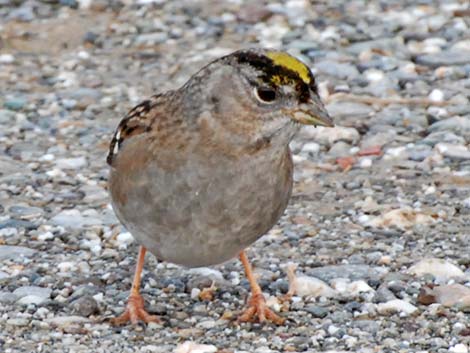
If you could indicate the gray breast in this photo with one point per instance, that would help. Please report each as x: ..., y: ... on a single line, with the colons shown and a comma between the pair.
x: 205, y: 212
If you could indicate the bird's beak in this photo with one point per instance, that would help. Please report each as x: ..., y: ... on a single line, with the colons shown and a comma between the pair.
x: 312, y: 113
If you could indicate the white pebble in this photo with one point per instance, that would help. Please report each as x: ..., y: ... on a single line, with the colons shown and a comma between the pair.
x: 439, y: 268
x: 307, y: 286
x: 365, y: 162
x: 436, y: 95
x: 124, y: 239
x: 65, y: 266
x: 311, y: 148
x: 459, y: 348
x: 45, y: 236
x: 195, y: 293
x: 6, y: 59
x: 396, y: 306
x: 191, y: 347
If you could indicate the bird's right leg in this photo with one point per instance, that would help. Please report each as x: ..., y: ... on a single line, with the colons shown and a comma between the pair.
x: 135, y: 308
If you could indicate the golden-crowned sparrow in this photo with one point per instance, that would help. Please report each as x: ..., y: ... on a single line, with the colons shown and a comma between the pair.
x: 200, y: 173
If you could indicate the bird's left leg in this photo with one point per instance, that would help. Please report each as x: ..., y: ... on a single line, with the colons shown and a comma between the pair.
x: 257, y: 308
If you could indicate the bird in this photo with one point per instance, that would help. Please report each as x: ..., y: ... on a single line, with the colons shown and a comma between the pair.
x: 199, y: 173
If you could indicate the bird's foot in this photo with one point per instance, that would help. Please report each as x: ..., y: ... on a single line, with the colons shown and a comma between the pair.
x: 135, y: 311
x: 258, y: 311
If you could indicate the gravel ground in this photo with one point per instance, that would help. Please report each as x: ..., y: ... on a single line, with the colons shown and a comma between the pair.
x: 379, y: 223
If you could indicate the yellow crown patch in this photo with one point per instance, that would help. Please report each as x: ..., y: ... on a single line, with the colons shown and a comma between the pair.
x: 291, y: 63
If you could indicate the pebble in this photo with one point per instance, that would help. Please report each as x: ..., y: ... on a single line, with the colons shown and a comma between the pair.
x: 341, y: 110
x: 15, y: 104
x: 459, y: 348
x: 71, y: 163
x: 396, y: 306
x: 308, y: 286
x: 444, y: 58
x: 6, y: 116
x: 32, y: 295
x: 74, y: 219
x: 191, y: 347
x: 403, y: 218
x: 448, y: 295
x: 439, y: 268
x: 454, y: 152
x: 351, y: 272
x: 85, y: 306
x: 14, y: 252
x: 328, y: 136
x: 458, y: 125
x: 65, y: 321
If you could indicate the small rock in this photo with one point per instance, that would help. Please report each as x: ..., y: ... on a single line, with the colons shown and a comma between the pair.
x: 458, y: 125
x: 307, y: 286
x: 402, y: 218
x: 7, y: 116
x: 74, y: 219
x: 32, y: 294
x: 64, y: 321
x: 192, y: 347
x: 346, y: 287
x: 340, y: 110
x: 444, y: 58
x: 15, y: 104
x: 455, y: 152
x: 352, y: 272
x: 459, y: 348
x: 71, y: 163
x: 341, y: 70
x: 396, y: 306
x: 328, y: 136
x: 7, y: 59
x: 18, y: 322
x: 8, y: 298
x: 12, y: 252
x: 85, y: 306
x: 439, y: 268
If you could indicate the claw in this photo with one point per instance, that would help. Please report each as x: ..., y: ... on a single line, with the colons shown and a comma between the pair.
x: 135, y: 311
x: 258, y: 311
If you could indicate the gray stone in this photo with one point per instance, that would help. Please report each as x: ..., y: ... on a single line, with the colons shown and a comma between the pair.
x: 336, y: 69
x: 388, y: 44
x: 459, y: 125
x: 455, y: 152
x: 18, y: 322
x: 339, y: 149
x: 25, y: 212
x: 85, y: 306
x: 444, y: 58
x: 352, y: 272
x: 419, y: 152
x: 339, y: 110
x: 17, y: 224
x: 71, y: 163
x: 6, y: 116
x: 442, y: 136
x: 32, y: 294
x: 151, y: 38
x: 25, y: 14
x: 11, y: 252
x: 74, y: 219
x: 7, y: 298
x: 317, y: 311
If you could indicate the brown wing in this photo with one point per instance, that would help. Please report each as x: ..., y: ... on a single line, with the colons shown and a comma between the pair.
x: 138, y: 121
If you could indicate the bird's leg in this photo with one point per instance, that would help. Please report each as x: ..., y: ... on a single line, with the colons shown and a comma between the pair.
x: 135, y: 310
x: 257, y: 308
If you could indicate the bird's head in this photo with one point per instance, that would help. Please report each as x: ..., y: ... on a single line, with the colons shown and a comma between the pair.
x: 260, y: 92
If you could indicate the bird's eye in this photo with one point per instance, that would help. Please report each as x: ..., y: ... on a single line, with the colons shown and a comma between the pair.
x: 265, y: 94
